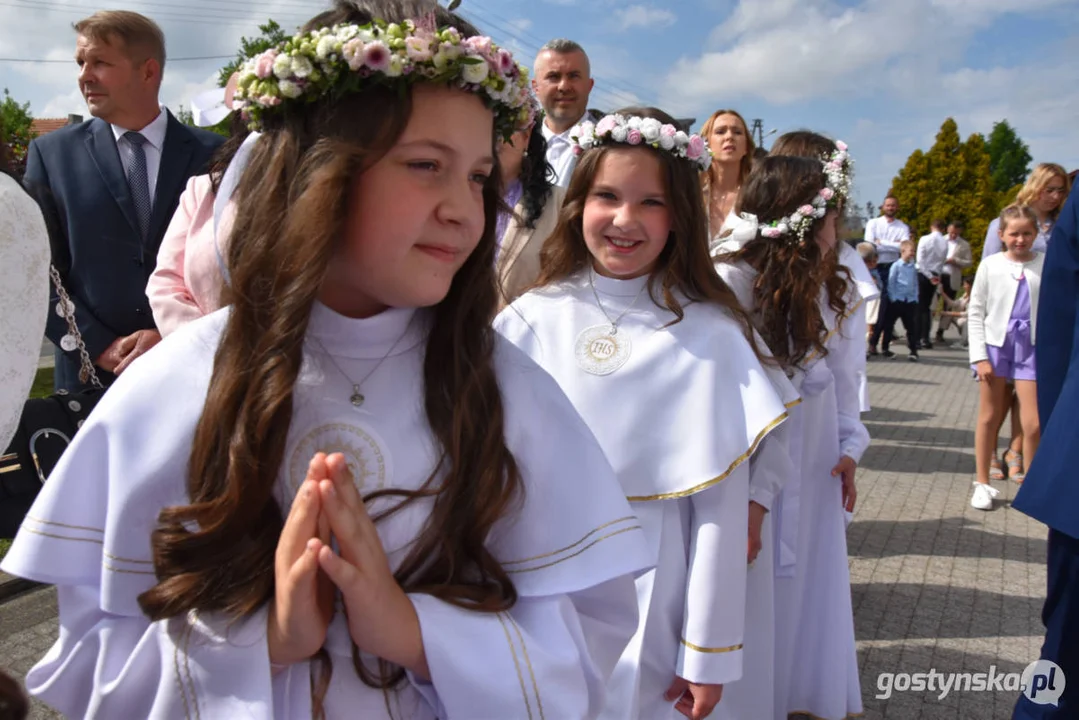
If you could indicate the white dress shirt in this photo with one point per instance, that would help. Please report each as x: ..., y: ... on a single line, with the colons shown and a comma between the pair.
x: 560, y: 154
x: 155, y: 143
x: 933, y: 251
x: 886, y: 236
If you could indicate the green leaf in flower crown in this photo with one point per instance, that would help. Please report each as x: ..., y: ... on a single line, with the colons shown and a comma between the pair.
x: 454, y: 4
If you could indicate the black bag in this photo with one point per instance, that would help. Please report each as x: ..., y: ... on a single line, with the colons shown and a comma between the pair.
x: 45, y: 429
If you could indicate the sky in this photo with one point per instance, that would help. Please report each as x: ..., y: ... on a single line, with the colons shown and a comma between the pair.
x: 882, y: 75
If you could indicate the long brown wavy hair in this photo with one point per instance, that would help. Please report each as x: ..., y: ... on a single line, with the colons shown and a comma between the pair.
x: 745, y: 167
x: 789, y: 273
x: 217, y: 553
x: 683, y: 265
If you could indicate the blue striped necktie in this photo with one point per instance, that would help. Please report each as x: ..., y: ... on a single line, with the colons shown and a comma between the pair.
x: 138, y: 181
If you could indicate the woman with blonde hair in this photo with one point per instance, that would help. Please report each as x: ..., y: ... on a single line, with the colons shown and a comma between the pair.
x: 1045, y: 192
x: 732, y: 149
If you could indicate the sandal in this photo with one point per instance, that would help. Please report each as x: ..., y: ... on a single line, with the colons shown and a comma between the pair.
x: 996, y: 470
x: 1014, y: 461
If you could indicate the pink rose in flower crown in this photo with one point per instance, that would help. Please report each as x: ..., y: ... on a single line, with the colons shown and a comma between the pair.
x: 418, y: 48
x: 806, y: 210
x: 264, y: 63
x: 480, y: 45
x: 695, y: 148
x: 827, y: 193
x: 633, y: 136
x: 605, y: 125
x: 353, y: 53
x: 840, y: 145
x: 668, y: 131
x: 376, y: 56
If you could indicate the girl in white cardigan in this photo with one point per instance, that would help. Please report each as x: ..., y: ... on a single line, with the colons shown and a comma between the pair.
x: 1001, y: 323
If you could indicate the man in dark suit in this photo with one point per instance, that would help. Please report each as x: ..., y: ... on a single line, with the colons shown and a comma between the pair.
x: 108, y: 188
x: 1050, y: 492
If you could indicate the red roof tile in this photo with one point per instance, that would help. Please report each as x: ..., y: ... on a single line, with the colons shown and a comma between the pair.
x: 44, y: 126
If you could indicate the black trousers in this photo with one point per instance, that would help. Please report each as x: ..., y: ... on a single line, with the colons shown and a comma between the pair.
x: 926, y: 292
x: 1061, y: 617
x: 908, y: 313
x: 882, y: 314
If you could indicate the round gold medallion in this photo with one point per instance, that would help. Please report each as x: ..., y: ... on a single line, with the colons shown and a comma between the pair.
x: 600, y: 351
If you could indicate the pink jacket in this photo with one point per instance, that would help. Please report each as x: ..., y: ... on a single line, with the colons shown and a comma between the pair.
x: 187, y: 282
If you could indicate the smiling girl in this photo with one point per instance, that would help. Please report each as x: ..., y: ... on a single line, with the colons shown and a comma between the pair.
x: 651, y: 347
x: 344, y: 495
x: 1001, y: 323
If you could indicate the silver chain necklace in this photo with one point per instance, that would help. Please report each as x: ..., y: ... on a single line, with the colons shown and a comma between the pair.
x: 357, y: 397
x: 614, y: 323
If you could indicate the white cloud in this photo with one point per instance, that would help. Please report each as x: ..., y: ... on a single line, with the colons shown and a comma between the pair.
x: 643, y: 16
x: 522, y: 24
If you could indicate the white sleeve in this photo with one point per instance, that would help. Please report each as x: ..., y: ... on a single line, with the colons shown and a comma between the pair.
x: 976, y: 309
x: 770, y: 468
x: 856, y: 354
x: 548, y: 656
x: 853, y: 435
x: 919, y: 258
x: 869, y: 232
x: 105, y: 665
x: 714, y: 626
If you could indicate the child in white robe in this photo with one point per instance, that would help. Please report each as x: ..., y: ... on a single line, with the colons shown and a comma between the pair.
x: 785, y: 275
x: 652, y: 349
x: 464, y: 549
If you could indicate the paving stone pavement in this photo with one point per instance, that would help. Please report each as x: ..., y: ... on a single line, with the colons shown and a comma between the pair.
x: 936, y: 584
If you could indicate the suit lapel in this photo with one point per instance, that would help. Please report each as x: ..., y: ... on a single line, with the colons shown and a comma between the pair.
x: 171, y: 175
x: 102, y: 148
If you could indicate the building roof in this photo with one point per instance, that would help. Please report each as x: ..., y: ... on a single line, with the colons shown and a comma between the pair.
x: 44, y: 126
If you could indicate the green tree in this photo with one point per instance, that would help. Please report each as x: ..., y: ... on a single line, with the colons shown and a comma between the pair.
x: 271, y: 35
x: 1009, y: 157
x: 951, y: 181
x: 16, y: 130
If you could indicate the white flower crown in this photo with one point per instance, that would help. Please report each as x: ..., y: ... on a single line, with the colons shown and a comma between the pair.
x: 345, y: 58
x: 641, y: 131
x: 837, y: 168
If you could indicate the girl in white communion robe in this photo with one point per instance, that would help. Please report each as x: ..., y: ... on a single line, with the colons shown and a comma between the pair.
x: 344, y: 495
x: 655, y: 354
x: 782, y: 265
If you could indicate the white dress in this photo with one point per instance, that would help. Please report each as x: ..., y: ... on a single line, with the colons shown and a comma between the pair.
x: 572, y: 547
x: 678, y: 421
x: 815, y: 668
x: 24, y: 299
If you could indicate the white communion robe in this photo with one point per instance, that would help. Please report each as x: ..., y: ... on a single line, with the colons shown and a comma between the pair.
x: 572, y: 546
x: 678, y: 421
x: 815, y: 661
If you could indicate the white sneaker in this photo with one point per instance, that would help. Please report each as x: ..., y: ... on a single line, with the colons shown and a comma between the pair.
x: 983, y: 496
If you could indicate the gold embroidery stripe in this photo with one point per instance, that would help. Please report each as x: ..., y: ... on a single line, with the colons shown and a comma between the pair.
x: 528, y: 662
x: 179, y: 675
x: 850, y: 311
x: 61, y: 537
x: 187, y: 666
x: 720, y: 478
x: 793, y: 404
x: 10, y: 469
x: 113, y: 568
x: 129, y: 560
x: 595, y: 542
x: 715, y: 651
x: 570, y: 547
x: 516, y: 664
x: 9, y: 456
x: 70, y: 527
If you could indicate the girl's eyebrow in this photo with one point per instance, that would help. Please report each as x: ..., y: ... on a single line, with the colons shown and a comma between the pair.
x: 443, y: 148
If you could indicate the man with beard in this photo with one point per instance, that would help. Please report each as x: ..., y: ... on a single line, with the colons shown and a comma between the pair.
x: 886, y: 233
x: 562, y: 80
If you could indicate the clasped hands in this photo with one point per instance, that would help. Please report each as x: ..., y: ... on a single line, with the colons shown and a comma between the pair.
x: 125, y: 350
x: 382, y: 621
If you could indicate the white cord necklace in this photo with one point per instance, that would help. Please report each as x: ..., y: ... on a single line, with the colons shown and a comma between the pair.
x: 357, y: 397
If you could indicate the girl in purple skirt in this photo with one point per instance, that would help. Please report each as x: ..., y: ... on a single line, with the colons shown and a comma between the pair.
x: 1001, y: 324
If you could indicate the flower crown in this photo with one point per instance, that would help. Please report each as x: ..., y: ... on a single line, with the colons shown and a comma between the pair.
x: 641, y: 131
x: 837, y: 168
x: 347, y: 57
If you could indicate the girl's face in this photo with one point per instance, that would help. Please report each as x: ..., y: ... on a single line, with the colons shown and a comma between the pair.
x: 827, y: 231
x: 417, y: 214
x: 728, y: 139
x: 627, y: 219
x: 1018, y: 236
x: 1052, y: 196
